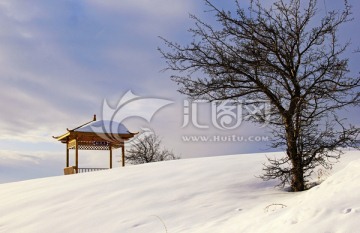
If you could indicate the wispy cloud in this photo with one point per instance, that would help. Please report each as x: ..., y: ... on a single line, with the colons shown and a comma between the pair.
x: 155, y: 9
x: 60, y: 60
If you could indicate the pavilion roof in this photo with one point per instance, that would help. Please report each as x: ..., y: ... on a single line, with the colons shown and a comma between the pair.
x: 98, y: 131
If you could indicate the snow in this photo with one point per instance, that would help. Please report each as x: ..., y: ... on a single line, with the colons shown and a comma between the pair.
x: 103, y: 127
x: 214, y: 194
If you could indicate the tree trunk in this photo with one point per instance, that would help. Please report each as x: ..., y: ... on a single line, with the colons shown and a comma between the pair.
x: 297, y: 171
x: 297, y: 175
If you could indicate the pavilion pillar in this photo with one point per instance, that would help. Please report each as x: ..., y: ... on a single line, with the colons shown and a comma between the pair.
x: 77, y: 156
x: 123, y: 154
x: 110, y: 156
x: 67, y: 154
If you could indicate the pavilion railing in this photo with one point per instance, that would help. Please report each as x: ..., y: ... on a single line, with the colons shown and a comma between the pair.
x: 83, y: 170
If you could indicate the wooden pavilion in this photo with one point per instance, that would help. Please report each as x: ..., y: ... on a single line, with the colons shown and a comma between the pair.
x: 94, y: 135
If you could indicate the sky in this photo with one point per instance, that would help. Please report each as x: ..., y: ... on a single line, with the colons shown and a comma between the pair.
x: 60, y: 60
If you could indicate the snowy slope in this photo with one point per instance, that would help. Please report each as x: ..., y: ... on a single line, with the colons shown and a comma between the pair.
x: 215, y: 194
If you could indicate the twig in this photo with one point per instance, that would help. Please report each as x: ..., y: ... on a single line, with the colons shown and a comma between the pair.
x: 163, y: 223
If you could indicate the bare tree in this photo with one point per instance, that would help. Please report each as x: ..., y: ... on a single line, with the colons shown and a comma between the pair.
x: 147, y: 149
x: 288, y: 55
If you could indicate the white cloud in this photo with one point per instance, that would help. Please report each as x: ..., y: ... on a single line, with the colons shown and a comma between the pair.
x: 20, y: 10
x: 160, y: 9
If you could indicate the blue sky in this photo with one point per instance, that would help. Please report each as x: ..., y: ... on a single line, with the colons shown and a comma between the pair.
x: 59, y: 60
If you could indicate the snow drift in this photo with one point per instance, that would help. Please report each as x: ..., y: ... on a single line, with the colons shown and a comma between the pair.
x: 215, y: 194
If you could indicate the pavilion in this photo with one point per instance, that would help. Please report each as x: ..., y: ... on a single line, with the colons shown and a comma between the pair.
x: 94, y: 135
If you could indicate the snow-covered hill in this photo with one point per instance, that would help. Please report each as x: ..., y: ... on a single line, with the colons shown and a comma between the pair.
x: 215, y: 194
